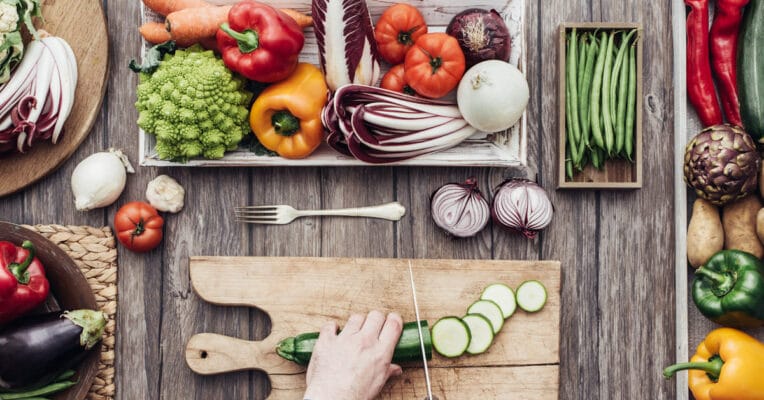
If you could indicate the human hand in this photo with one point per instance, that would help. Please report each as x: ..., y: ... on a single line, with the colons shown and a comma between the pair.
x: 356, y: 363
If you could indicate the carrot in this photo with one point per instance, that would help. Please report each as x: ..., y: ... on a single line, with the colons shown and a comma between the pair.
x: 166, y: 7
x: 210, y: 44
x: 303, y: 20
x: 154, y: 32
x: 191, y: 25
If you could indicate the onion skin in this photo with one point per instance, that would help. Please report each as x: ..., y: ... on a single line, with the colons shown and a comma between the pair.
x: 523, y: 206
x: 454, y: 198
x: 482, y: 35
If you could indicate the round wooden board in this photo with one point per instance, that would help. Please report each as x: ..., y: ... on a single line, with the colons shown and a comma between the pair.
x: 71, y: 292
x: 83, y: 25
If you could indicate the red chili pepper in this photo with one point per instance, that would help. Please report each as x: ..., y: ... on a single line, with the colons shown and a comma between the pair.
x: 260, y: 42
x: 700, y: 83
x: 23, y: 285
x: 724, y: 36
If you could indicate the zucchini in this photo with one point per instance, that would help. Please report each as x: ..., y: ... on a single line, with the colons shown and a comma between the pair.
x: 299, y: 348
x: 531, y: 296
x: 450, y: 337
x: 481, y: 333
x: 503, y: 296
x: 750, y: 65
x: 490, y: 311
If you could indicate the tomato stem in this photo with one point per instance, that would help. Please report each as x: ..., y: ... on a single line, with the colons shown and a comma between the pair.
x: 405, y: 37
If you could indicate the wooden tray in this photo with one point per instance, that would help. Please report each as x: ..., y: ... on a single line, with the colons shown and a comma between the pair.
x: 503, y: 149
x: 90, y: 44
x: 69, y: 291
x: 301, y: 294
x: 617, y: 174
x: 691, y: 326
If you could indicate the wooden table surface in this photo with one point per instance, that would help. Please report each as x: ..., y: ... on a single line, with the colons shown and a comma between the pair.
x: 616, y: 248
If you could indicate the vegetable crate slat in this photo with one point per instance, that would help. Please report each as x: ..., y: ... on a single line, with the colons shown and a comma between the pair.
x: 302, y: 294
x: 503, y: 149
x: 691, y: 326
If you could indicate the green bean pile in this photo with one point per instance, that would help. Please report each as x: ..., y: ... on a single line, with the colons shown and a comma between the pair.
x: 600, y: 97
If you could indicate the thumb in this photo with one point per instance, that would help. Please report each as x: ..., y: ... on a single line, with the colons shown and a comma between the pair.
x: 393, y: 370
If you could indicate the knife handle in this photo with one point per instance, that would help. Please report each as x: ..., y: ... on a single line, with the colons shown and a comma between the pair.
x: 210, y: 354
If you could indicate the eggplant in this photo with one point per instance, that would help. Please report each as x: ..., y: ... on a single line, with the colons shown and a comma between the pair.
x: 37, y: 349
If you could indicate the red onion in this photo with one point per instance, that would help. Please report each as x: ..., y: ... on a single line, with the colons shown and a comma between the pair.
x: 482, y: 35
x: 460, y: 209
x: 522, y: 205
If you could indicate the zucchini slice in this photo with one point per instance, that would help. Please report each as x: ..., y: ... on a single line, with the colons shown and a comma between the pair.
x: 503, y: 296
x: 481, y: 333
x: 531, y: 296
x: 450, y: 337
x: 491, y: 311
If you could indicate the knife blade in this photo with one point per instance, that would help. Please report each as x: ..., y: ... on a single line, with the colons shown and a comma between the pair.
x: 421, y: 337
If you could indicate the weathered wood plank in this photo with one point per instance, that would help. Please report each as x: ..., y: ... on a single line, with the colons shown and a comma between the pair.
x: 572, y: 237
x: 138, y: 350
x: 636, y: 283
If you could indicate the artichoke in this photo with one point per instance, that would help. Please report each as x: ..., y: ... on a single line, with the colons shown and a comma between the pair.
x: 721, y: 163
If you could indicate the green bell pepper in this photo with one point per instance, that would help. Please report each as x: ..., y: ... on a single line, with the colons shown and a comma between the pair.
x: 729, y: 289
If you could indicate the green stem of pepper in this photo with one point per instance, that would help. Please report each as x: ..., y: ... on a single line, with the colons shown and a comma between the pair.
x: 722, y: 283
x: 712, y: 367
x: 285, y: 123
x: 19, y: 271
x: 248, y: 40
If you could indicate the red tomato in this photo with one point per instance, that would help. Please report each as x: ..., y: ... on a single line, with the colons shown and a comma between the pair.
x: 434, y: 65
x: 138, y: 226
x: 397, y: 30
x: 393, y: 80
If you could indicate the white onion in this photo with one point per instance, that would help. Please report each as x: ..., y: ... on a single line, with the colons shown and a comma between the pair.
x: 460, y: 209
x: 522, y: 205
x: 98, y: 180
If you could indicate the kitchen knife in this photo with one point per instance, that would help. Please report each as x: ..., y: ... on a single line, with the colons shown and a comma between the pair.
x: 421, y: 337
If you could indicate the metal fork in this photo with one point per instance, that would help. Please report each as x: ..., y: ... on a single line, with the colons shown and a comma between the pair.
x: 282, y: 214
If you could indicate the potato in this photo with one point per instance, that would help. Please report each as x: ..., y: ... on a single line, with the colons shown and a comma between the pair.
x: 739, y: 221
x: 705, y: 235
x: 760, y: 225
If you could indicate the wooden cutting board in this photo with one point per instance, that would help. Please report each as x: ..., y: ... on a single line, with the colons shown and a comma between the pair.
x: 301, y: 294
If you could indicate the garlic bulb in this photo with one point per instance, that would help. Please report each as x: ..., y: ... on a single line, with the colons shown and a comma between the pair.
x: 165, y: 194
x: 98, y: 180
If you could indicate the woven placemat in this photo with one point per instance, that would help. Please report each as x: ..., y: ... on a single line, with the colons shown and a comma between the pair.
x: 95, y: 252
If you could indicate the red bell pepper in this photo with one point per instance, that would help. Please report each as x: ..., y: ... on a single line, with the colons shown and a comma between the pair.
x: 260, y: 42
x: 724, y: 35
x: 23, y: 285
x: 700, y: 82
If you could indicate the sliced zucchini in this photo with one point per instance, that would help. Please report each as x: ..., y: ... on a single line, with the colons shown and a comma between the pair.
x: 491, y: 311
x: 481, y: 333
x: 450, y: 337
x: 503, y: 296
x: 531, y: 296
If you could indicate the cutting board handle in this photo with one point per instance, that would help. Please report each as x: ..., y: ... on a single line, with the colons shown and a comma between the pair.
x: 209, y: 354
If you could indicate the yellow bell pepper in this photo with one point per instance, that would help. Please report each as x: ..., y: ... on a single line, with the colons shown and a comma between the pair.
x: 286, y: 117
x: 728, y: 365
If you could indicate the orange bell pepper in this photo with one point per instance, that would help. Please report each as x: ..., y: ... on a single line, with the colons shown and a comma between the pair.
x: 728, y: 365
x: 286, y: 117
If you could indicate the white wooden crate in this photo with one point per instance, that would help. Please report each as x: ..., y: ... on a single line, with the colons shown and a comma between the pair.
x: 503, y: 149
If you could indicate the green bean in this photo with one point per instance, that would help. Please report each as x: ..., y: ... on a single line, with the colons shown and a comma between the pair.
x: 65, y: 375
x: 586, y: 92
x: 623, y: 86
x: 582, y: 45
x: 571, y: 138
x: 594, y: 101
x: 50, y: 389
x: 631, y: 111
x: 568, y: 163
x: 614, y: 75
x: 572, y: 79
x: 606, y: 116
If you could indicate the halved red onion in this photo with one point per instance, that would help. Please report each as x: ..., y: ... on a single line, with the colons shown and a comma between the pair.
x: 522, y: 205
x: 460, y: 209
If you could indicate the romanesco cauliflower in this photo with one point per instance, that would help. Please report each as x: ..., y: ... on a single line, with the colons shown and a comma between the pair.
x: 194, y: 106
